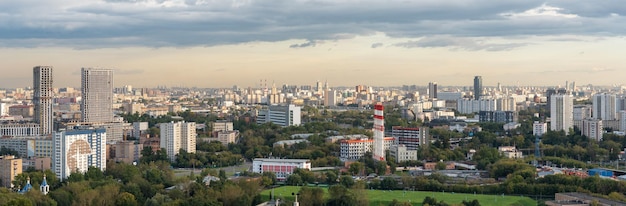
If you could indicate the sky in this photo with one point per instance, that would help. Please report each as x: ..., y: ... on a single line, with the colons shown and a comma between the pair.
x: 215, y: 43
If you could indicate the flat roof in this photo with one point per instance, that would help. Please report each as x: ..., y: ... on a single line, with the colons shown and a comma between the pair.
x: 282, y: 160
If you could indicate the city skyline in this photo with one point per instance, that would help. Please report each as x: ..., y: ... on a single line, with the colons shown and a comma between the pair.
x: 225, y: 43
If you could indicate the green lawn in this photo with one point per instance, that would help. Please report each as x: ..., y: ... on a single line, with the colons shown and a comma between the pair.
x: 380, y: 197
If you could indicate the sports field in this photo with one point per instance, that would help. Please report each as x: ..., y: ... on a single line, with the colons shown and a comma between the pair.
x: 382, y: 197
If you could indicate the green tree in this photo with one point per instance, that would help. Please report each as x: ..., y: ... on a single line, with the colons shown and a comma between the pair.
x: 126, y: 199
x: 294, y: 179
x: 346, y: 181
x: 389, y: 183
x: 311, y: 196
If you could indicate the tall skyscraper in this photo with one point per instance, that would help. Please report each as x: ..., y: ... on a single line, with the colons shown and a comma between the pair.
x: 97, y: 95
x: 604, y: 106
x: 379, y: 132
x: 176, y: 136
x: 478, y: 87
x: 561, y: 112
x: 42, y: 98
x: 432, y: 90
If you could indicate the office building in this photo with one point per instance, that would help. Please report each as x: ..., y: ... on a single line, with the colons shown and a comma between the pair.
x: 10, y: 167
x: 285, y: 116
x: 401, y: 153
x: 20, y: 130
x: 478, y: 87
x: 411, y: 137
x: 77, y: 150
x: 432, y: 90
x: 97, y: 95
x: 561, y: 112
x: 497, y: 116
x: 593, y: 129
x: 282, y: 168
x: 604, y: 106
x: 539, y: 128
x: 43, y: 98
x: 176, y: 136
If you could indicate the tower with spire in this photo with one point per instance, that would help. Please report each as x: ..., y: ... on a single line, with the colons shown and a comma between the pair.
x: 44, y: 187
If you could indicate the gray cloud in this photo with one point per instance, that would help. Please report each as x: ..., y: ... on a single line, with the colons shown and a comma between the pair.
x: 182, y: 23
x: 376, y: 45
x: 458, y: 43
x: 306, y: 44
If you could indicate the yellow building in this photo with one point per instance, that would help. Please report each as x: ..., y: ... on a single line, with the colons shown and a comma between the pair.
x: 9, y: 168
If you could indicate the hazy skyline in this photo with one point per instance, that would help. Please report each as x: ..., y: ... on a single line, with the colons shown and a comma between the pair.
x: 382, y: 43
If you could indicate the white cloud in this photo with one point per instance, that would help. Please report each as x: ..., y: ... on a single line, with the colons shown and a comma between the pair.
x: 541, y: 11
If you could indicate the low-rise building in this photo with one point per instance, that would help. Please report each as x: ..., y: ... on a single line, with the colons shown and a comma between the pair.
x: 19, y: 130
x: 281, y: 167
x: 353, y: 149
x: 37, y: 163
x: 580, y: 199
x: 401, y: 153
x: 288, y: 143
x: 227, y: 137
x: 510, y: 152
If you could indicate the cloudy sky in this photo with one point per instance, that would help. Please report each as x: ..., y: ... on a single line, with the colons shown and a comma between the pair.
x: 215, y: 43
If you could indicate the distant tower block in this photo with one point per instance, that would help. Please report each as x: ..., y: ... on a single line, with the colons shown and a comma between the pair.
x: 379, y: 132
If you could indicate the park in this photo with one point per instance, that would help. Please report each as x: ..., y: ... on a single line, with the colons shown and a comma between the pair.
x: 385, y: 197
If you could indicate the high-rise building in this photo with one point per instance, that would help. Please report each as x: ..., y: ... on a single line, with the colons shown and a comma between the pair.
x: 592, y: 128
x: 553, y: 91
x: 581, y: 112
x: 478, y: 87
x: 330, y: 98
x: 176, y: 136
x: 379, y: 132
x: 97, y: 95
x: 42, y: 98
x: 622, y: 120
x: 77, y: 150
x: 432, y: 90
x: 561, y: 112
x: 604, y: 106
